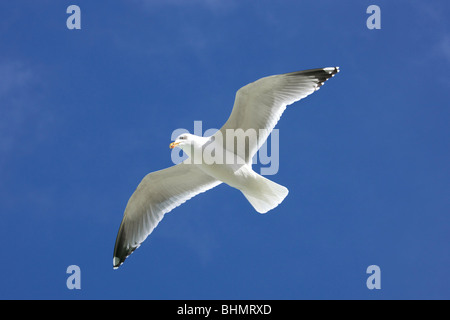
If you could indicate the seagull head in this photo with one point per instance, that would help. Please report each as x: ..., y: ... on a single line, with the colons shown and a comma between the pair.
x: 181, y: 141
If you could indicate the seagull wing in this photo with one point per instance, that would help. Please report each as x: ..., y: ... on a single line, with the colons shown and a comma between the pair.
x: 158, y: 193
x: 260, y: 104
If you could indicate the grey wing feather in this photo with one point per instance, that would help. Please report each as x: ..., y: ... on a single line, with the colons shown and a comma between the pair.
x: 260, y: 104
x: 158, y: 193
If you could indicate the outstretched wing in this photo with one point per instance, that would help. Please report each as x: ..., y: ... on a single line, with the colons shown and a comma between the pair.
x: 158, y: 193
x: 260, y: 104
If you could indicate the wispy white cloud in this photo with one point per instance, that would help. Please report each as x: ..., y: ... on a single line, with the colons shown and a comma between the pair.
x: 216, y: 6
x: 442, y: 48
x: 14, y: 80
x: 433, y: 17
x: 432, y: 31
x: 21, y: 119
x: 185, y: 36
x: 13, y: 76
x: 25, y: 124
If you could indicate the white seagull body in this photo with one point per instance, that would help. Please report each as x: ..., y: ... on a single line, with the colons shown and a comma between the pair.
x: 258, y: 106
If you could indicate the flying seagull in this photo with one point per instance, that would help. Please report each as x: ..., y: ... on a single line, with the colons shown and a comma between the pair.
x: 257, y: 108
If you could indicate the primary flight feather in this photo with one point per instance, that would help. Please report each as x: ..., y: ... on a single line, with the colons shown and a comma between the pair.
x: 257, y: 108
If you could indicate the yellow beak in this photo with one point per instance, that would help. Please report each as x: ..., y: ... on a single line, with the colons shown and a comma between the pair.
x: 173, y: 145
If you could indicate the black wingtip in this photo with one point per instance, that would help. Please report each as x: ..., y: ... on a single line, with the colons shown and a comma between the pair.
x: 332, y: 70
x: 116, y: 263
x: 321, y: 74
x: 329, y: 73
x: 120, y: 257
x: 121, y: 250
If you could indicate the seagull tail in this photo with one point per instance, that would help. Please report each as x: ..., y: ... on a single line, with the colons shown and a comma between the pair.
x: 264, y: 195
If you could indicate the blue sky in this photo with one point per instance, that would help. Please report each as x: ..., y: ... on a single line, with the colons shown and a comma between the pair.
x: 86, y: 114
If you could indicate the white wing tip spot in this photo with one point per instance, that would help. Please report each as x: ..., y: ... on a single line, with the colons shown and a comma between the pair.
x: 331, y: 70
x: 116, y: 262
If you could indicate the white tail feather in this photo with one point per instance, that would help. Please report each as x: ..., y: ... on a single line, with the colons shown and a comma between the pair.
x: 265, y: 195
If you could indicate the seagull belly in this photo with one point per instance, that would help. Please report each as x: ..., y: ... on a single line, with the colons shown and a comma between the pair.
x: 235, y: 175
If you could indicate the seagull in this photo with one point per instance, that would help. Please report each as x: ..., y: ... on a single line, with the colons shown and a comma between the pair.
x: 257, y: 108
